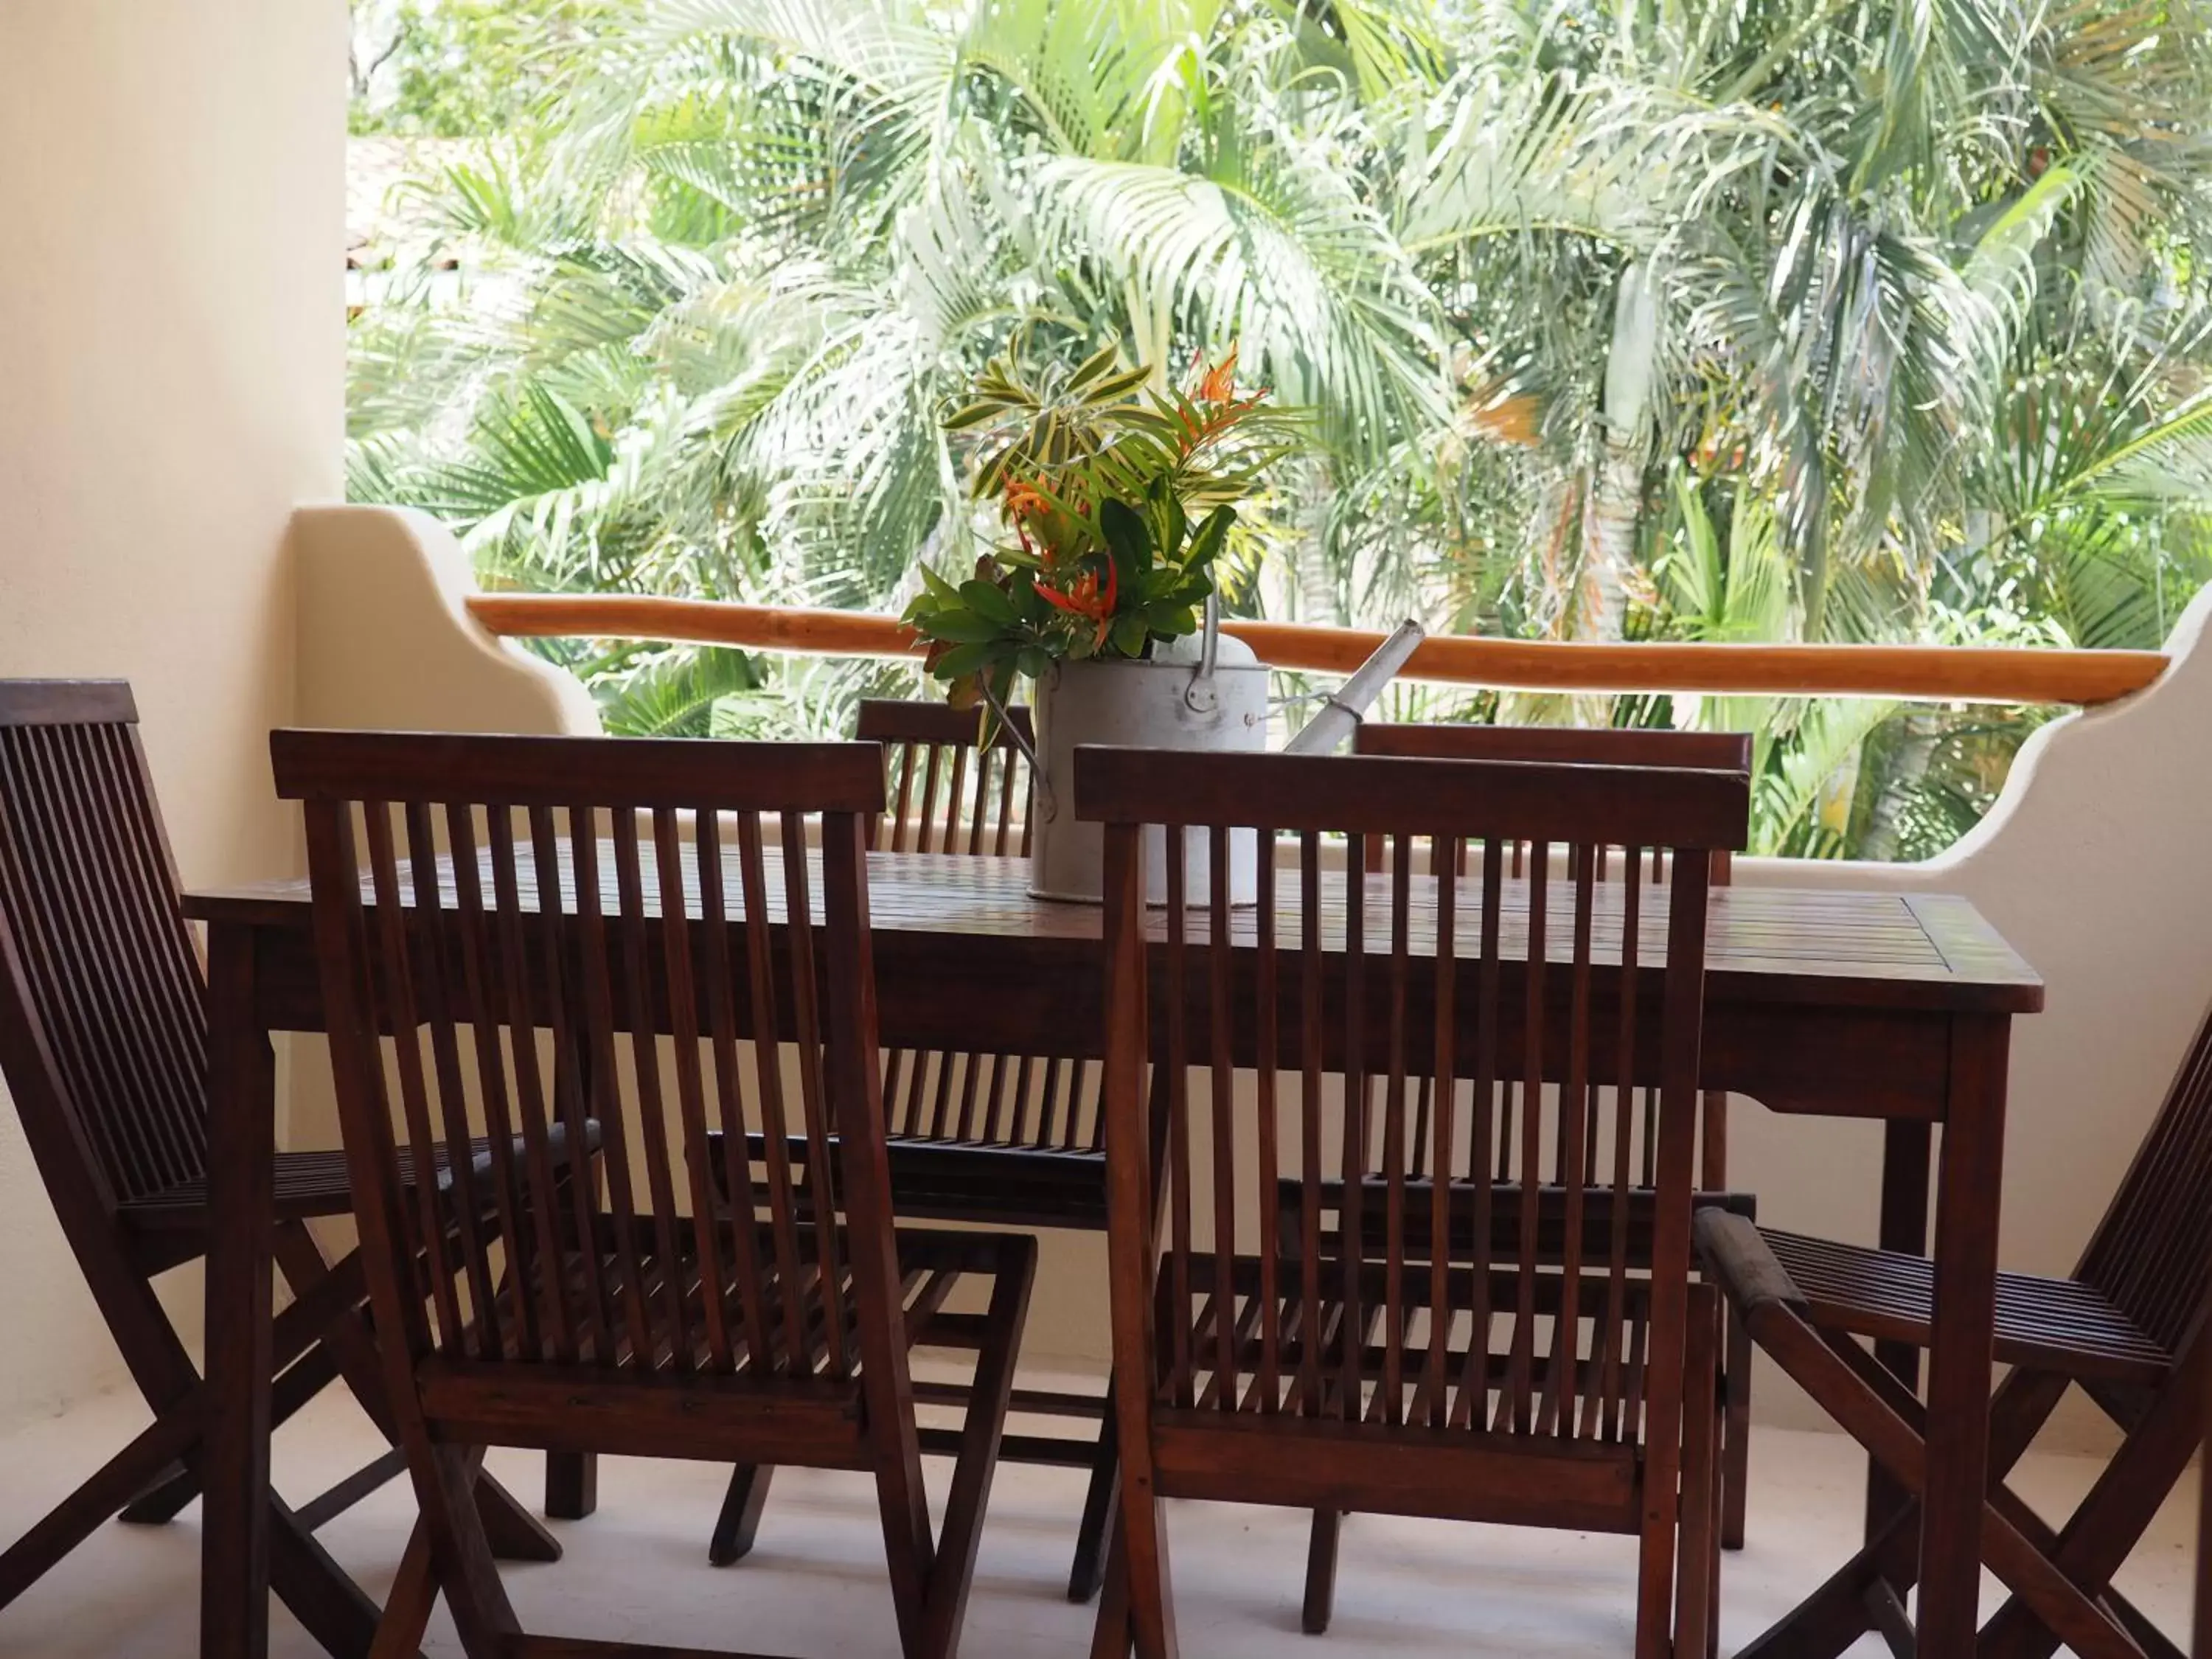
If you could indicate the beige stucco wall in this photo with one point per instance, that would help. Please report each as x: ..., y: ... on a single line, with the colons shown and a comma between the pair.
x: 2093, y: 868
x: 386, y: 639
x: 172, y: 357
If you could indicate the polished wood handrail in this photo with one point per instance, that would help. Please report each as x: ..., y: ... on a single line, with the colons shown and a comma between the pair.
x: 1937, y: 673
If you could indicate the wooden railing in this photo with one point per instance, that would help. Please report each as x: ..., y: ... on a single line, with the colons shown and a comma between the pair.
x: 1920, y: 673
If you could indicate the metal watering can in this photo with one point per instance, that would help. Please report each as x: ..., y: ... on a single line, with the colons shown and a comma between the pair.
x: 1208, y: 693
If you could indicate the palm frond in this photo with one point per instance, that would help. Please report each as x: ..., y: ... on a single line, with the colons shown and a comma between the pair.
x: 673, y: 692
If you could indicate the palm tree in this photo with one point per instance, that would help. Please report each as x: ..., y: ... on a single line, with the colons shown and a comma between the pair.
x: 1526, y: 268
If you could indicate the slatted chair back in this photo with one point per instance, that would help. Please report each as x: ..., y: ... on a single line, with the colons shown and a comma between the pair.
x: 949, y: 794
x: 1714, y: 751
x: 1375, y: 1299
x: 103, y: 1018
x: 1566, y: 746
x: 2152, y: 1253
x: 561, y: 915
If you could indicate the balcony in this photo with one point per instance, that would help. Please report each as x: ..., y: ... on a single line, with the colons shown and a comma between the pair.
x: 171, y: 389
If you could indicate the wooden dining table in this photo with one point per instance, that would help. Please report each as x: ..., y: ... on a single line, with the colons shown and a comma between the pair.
x: 1892, y: 1007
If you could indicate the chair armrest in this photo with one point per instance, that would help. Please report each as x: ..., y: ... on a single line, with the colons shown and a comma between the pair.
x: 1736, y: 1253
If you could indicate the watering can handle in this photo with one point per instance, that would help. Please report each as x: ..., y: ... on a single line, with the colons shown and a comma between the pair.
x: 1200, y: 696
x: 1043, y: 783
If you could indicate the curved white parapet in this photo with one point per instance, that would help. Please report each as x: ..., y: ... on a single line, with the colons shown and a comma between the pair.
x: 2096, y: 865
x: 386, y: 639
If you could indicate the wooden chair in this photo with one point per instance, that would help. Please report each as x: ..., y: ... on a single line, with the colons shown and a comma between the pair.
x: 2202, y: 1647
x: 1344, y: 1359
x: 104, y: 1043
x: 1717, y: 751
x: 977, y: 1138
x: 984, y: 807
x: 614, y: 893
x: 982, y: 1138
x: 2132, y: 1328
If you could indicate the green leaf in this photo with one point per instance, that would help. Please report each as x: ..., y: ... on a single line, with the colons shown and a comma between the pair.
x: 1130, y: 541
x: 990, y: 478
x: 1119, y: 386
x: 962, y: 660
x: 988, y: 601
x: 1212, y: 536
x: 976, y: 414
x: 1129, y: 635
x: 1091, y: 367
x: 960, y: 626
x: 1176, y: 524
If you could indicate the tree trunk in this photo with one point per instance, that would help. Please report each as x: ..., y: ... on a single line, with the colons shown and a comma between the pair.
x: 1920, y: 729
x: 1616, y: 499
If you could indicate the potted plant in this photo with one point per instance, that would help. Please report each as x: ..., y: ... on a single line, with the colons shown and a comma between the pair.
x: 1117, y: 496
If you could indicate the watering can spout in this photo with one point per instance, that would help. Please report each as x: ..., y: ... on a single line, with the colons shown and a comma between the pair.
x: 1342, y: 709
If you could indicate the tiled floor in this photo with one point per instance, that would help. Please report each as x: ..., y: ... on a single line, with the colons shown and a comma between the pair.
x: 637, y: 1570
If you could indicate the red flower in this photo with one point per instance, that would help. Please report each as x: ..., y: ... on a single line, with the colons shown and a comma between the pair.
x: 1085, y: 599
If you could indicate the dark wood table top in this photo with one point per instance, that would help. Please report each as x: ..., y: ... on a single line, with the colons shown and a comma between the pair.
x: 1931, y: 952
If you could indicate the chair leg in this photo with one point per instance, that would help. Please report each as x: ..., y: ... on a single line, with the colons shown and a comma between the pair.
x: 1101, y: 1505
x: 1110, y: 1635
x: 516, y: 1534
x: 169, y: 1495
x: 1152, y: 1597
x: 166, y: 1498
x: 1321, y: 1573
x: 319, y: 1512
x: 738, y: 1523
x: 2108, y: 1522
x: 1701, y: 1424
x: 953, y: 1572
x: 572, y: 1485
x: 73, y: 1520
x: 304, y: 1576
x: 407, y: 1608
x: 460, y: 1553
x: 1854, y: 1389
x: 2155, y: 1642
x: 1736, y: 1360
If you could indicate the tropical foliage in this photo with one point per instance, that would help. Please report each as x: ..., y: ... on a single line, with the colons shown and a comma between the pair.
x: 1737, y: 319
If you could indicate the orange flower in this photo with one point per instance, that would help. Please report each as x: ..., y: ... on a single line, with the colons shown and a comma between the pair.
x: 1024, y: 500
x: 1219, y: 384
x: 1085, y: 599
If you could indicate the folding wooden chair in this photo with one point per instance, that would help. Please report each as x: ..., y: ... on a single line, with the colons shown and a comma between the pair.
x: 103, y: 1041
x: 2130, y: 1329
x: 1513, y: 1337
x: 996, y: 1139
x: 705, y: 1302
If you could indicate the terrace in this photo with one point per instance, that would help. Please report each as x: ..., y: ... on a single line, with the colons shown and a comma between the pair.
x: 172, y: 362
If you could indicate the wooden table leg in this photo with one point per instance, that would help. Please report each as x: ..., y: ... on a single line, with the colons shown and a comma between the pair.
x: 241, y: 1203
x: 241, y: 1517
x: 1904, y: 1154
x: 1969, y: 1181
